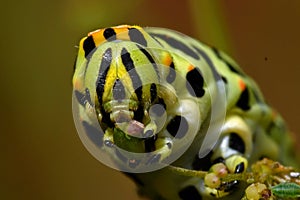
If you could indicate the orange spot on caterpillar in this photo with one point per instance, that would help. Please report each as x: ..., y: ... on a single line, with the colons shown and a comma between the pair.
x: 120, y: 31
x: 77, y: 84
x: 190, y: 68
x: 166, y: 58
x: 242, y: 85
x: 97, y: 37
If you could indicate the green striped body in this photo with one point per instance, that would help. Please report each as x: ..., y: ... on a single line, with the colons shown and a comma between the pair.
x: 149, y: 97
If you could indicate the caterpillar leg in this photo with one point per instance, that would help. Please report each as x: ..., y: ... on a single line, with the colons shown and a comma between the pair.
x: 213, y: 181
x: 164, y: 146
x: 230, y: 157
x: 108, y: 138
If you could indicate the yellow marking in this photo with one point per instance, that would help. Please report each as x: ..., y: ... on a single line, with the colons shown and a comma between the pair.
x: 118, y: 70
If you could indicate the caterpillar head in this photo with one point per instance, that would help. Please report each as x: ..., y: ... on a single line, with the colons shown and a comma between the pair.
x: 118, y: 82
x: 129, y: 90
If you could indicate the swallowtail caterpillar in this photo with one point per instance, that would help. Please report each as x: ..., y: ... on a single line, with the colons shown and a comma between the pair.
x: 147, y: 98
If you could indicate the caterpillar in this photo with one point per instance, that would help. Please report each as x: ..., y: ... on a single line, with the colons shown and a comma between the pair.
x: 147, y: 98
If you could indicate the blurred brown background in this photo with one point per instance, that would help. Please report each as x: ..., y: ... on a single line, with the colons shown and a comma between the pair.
x: 41, y: 154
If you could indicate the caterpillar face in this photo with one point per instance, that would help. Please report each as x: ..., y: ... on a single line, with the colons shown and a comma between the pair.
x: 145, y: 98
x: 134, y: 93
